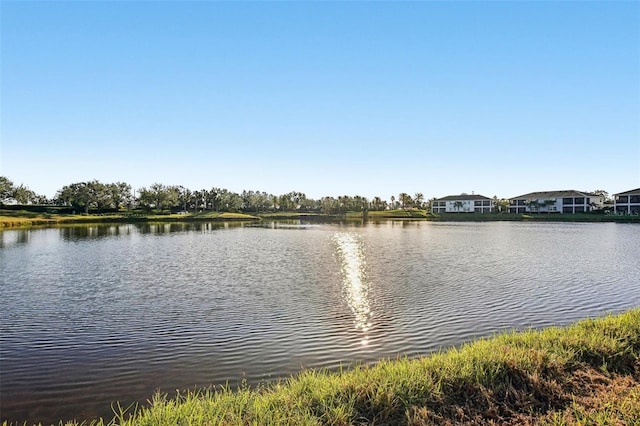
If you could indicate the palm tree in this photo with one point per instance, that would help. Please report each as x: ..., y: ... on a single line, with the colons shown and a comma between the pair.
x: 503, y: 205
x: 533, y: 206
x: 376, y: 203
x: 549, y: 202
x: 405, y: 199
x: 418, y: 199
x: 458, y: 205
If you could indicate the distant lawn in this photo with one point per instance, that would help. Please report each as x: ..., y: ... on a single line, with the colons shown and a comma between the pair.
x: 398, y: 214
x: 22, y: 218
x: 203, y: 216
x: 291, y: 215
x: 12, y: 218
x: 553, y: 217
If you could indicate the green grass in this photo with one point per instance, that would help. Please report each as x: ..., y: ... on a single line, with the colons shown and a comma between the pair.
x: 294, y: 215
x: 399, y: 214
x: 9, y: 218
x: 587, y: 373
x: 556, y: 217
x: 21, y: 218
x: 12, y: 218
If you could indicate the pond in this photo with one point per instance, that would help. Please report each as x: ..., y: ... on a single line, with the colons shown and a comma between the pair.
x: 90, y: 315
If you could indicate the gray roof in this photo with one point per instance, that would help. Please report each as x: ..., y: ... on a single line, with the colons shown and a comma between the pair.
x: 552, y: 194
x: 463, y: 197
x: 633, y: 191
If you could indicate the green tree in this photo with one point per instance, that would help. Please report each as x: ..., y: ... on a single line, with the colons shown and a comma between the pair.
x: 500, y: 205
x: 214, y: 198
x: 230, y: 201
x: 377, y: 204
x: 458, y: 205
x: 146, y: 198
x: 533, y: 205
x: 359, y: 203
x: 120, y: 195
x: 78, y: 195
x: 184, y: 198
x: 159, y: 197
x: 100, y: 195
x: 418, y: 199
x: 202, y: 199
x: 6, y: 189
x: 549, y: 202
x: 602, y: 194
x: 329, y: 205
x: 405, y: 200
x: 23, y: 195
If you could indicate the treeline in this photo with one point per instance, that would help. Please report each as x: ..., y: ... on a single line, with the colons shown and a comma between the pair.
x: 102, y: 197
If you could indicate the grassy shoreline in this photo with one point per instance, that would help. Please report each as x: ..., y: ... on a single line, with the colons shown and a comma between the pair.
x: 585, y: 373
x: 22, y: 219
x: 25, y: 219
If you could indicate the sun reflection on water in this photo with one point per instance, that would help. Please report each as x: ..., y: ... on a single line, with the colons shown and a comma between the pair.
x: 350, y: 252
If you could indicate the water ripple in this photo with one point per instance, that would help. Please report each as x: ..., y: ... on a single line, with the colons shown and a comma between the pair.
x: 90, y: 316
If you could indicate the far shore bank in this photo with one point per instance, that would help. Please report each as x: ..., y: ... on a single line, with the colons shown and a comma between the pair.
x: 21, y: 219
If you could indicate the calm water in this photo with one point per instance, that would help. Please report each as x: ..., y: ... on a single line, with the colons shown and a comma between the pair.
x: 94, y: 314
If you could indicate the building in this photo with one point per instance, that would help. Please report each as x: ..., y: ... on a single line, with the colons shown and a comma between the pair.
x: 463, y: 203
x: 567, y: 201
x: 627, y: 202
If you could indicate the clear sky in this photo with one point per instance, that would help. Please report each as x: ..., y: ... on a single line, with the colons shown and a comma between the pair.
x: 326, y: 98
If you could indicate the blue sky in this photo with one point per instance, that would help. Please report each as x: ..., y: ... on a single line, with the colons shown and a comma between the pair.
x: 327, y: 98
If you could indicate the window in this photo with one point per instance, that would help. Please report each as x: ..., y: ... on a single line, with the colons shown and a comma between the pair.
x: 579, y: 200
x: 634, y: 199
x: 567, y: 209
x: 567, y: 201
x: 522, y: 202
x: 579, y: 209
x: 487, y: 203
x: 477, y: 203
x: 622, y: 199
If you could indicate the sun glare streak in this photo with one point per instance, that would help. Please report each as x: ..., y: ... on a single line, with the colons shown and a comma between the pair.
x: 350, y: 252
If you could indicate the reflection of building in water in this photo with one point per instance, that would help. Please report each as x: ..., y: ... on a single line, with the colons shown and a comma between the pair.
x: 350, y: 252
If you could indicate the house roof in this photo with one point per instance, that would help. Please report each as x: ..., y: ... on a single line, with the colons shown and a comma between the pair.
x: 552, y: 194
x: 463, y: 197
x: 633, y: 191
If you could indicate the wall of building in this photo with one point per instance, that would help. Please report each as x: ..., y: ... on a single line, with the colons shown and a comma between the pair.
x: 570, y: 205
x: 468, y: 206
x: 629, y: 203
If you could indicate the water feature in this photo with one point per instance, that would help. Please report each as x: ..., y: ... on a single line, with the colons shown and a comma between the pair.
x: 94, y: 314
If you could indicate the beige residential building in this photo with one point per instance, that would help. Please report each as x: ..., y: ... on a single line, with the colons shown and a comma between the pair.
x: 565, y: 201
x: 627, y: 202
x: 463, y: 203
